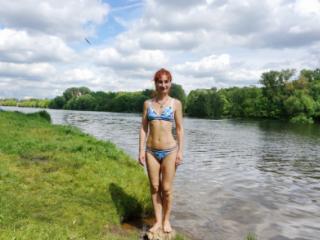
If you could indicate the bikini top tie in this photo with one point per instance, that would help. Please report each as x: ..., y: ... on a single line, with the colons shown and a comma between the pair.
x: 167, y: 113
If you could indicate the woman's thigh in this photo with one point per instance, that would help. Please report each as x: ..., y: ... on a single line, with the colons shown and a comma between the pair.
x: 168, y: 169
x: 153, y: 168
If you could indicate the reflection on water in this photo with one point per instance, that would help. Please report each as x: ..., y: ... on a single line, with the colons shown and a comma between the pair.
x: 237, y: 176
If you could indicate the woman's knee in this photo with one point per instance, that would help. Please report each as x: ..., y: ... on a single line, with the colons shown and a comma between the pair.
x: 167, y: 189
x: 154, y: 188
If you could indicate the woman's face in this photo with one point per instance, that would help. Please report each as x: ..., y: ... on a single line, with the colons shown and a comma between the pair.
x: 163, y: 84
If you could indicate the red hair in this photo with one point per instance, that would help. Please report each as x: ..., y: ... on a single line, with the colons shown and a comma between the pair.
x: 161, y: 72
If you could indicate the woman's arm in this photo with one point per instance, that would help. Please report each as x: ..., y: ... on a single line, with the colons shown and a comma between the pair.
x: 143, y: 134
x: 179, y: 130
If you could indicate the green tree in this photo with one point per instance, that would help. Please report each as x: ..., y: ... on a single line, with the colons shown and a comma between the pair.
x: 216, y: 102
x: 71, y: 104
x: 123, y: 102
x: 149, y: 93
x: 57, y: 103
x: 198, y: 103
x: 300, y: 107
x: 177, y: 92
x: 85, y: 102
x: 273, y: 91
x: 75, y: 92
x: 100, y: 100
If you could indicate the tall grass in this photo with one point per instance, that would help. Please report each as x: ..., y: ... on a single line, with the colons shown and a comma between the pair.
x: 251, y: 236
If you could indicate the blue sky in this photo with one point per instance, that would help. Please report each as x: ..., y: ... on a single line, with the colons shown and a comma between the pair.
x: 120, y: 11
x: 204, y: 43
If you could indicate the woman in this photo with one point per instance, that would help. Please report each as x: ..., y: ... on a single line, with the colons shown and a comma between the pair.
x: 163, y: 153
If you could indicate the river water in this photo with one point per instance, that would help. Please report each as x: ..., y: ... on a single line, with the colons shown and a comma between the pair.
x: 238, y: 176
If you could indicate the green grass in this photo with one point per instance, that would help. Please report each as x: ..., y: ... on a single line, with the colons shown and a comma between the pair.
x: 59, y: 183
x: 251, y: 236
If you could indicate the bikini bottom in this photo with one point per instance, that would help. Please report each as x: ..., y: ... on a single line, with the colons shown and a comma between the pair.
x: 160, y: 154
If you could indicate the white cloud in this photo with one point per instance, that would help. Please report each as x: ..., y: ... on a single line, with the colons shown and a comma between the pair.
x: 178, y: 4
x: 170, y: 40
x: 256, y: 23
x: 141, y: 59
x: 20, y: 46
x: 77, y: 75
x: 216, y: 71
x: 33, y: 72
x: 307, y: 8
x: 205, y: 67
x: 70, y: 19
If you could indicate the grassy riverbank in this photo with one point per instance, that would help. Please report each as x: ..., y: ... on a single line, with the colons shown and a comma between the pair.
x: 59, y: 183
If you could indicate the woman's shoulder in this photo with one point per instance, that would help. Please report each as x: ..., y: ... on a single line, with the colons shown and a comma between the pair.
x: 147, y: 102
x: 176, y: 101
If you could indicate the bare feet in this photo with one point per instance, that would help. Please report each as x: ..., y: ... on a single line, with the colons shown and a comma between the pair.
x: 167, y: 227
x: 155, y: 227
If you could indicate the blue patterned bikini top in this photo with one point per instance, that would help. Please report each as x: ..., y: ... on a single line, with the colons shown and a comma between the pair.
x: 166, y: 115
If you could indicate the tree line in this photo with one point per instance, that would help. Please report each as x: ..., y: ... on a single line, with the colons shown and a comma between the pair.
x: 32, y: 102
x: 84, y: 99
x: 282, y: 95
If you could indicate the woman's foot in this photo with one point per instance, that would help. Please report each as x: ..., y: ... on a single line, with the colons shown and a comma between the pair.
x: 155, y: 227
x: 167, y: 227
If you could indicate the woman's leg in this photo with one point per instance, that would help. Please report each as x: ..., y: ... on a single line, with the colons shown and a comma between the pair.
x: 168, y: 171
x: 153, y: 167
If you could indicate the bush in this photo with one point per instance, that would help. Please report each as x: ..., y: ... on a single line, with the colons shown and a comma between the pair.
x: 301, y: 118
x: 43, y: 114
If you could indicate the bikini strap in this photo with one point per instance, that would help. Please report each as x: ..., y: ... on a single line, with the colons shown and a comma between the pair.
x: 171, y: 103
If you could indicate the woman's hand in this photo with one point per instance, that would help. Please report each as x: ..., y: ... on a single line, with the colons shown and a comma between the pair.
x: 179, y: 158
x: 142, y: 158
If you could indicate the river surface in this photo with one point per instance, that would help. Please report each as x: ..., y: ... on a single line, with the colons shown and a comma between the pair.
x: 238, y: 176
